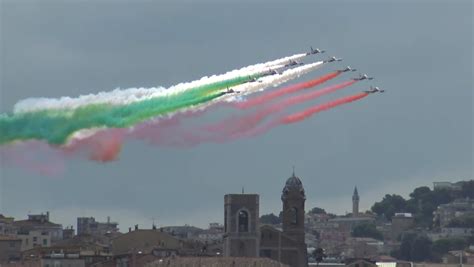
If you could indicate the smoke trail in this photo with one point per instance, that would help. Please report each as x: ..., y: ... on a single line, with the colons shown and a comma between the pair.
x: 234, y: 125
x: 296, y: 117
x: 286, y: 90
x: 313, y: 110
x: 130, y: 95
x: 166, y: 130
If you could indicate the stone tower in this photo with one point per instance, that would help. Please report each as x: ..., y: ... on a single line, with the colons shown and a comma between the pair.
x: 355, y: 203
x: 241, y: 225
x: 293, y: 198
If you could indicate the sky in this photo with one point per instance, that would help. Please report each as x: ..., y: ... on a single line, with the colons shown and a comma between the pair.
x: 419, y: 131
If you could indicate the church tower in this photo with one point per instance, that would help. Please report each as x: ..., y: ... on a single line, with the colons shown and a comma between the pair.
x: 293, y: 198
x: 241, y: 225
x: 355, y: 203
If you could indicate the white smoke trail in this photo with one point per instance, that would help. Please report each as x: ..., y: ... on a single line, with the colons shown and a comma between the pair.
x: 130, y: 95
x: 244, y: 89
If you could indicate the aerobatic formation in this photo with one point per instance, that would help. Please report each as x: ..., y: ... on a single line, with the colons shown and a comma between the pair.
x: 96, y: 125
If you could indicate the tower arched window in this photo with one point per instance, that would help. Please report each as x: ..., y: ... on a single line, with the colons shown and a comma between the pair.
x: 294, y: 215
x: 243, y: 221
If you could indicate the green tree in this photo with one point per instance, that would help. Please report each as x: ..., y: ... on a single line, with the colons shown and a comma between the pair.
x: 421, y: 249
x: 404, y: 252
x: 468, y: 189
x: 270, y: 219
x: 390, y: 205
x: 317, y: 210
x: 367, y: 230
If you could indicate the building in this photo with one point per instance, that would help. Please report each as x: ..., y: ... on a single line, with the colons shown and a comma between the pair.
x: 185, y: 231
x: 244, y: 237
x: 401, y: 222
x: 40, y: 226
x: 9, y: 249
x: 355, y: 203
x: 241, y: 225
x: 214, y: 234
x: 89, y: 226
x: 6, y: 225
x: 447, y: 186
x: 447, y: 212
x: 34, y: 238
x: 145, y: 241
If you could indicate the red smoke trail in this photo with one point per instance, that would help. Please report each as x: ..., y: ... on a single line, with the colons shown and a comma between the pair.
x: 300, y: 115
x: 235, y: 124
x: 315, y: 109
x: 286, y: 90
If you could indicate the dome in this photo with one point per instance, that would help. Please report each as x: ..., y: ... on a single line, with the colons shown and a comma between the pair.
x: 293, y: 184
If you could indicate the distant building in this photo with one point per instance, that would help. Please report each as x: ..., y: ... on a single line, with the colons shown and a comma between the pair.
x: 38, y: 230
x: 355, y: 203
x: 89, y: 226
x: 145, y: 241
x: 447, y: 212
x: 185, y: 232
x: 9, y: 249
x: 34, y: 238
x: 400, y: 223
x: 6, y: 225
x: 447, y: 185
x: 214, y: 234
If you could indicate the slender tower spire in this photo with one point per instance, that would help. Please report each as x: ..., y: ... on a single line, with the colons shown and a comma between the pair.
x: 355, y: 203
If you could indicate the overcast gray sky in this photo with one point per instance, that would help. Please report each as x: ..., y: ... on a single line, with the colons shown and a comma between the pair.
x: 418, y: 132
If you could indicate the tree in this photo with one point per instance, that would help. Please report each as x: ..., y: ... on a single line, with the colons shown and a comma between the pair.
x: 317, y: 210
x: 404, y: 251
x: 414, y: 247
x: 389, y: 205
x: 270, y: 219
x: 367, y: 230
x: 421, y: 248
x: 468, y: 189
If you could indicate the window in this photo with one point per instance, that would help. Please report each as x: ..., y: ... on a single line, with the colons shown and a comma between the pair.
x: 294, y: 215
x: 11, y: 244
x: 45, y: 242
x: 243, y: 221
x: 35, y: 238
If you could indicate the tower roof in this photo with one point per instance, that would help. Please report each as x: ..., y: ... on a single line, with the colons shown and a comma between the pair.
x: 355, y: 191
x: 293, y: 184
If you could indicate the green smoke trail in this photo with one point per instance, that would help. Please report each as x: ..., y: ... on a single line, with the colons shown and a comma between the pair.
x: 56, y: 126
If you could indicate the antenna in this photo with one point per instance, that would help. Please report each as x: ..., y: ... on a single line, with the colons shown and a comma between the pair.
x: 242, y: 190
x: 293, y: 170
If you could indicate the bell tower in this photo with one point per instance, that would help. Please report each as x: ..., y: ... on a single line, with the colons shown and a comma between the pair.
x: 355, y: 203
x: 293, y: 198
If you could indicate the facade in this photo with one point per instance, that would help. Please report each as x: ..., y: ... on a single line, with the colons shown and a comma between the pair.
x: 401, y: 222
x: 447, y: 185
x: 459, y: 207
x: 34, y: 238
x: 39, y: 223
x: 6, y: 225
x: 144, y: 241
x: 9, y: 249
x: 185, y: 231
x: 89, y: 226
x: 241, y: 225
x: 355, y: 203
